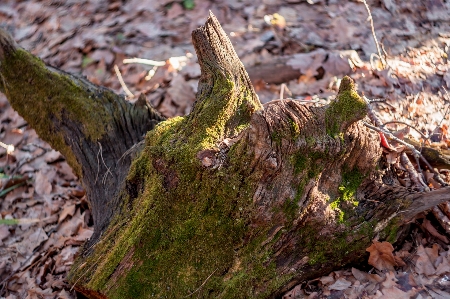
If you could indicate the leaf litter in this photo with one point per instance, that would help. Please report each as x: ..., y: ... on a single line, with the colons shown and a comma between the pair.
x: 46, y: 216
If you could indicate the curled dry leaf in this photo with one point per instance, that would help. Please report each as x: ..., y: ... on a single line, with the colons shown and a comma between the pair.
x: 364, y: 277
x: 391, y: 293
x: 68, y: 210
x: 340, y: 284
x: 391, y: 157
x: 433, y: 253
x: 42, y: 183
x: 4, y: 232
x: 53, y: 156
x: 390, y: 280
x: 78, y: 192
x: 443, y: 267
x: 381, y: 256
x: 423, y: 263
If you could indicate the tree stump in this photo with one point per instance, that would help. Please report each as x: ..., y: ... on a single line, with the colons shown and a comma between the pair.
x: 233, y: 200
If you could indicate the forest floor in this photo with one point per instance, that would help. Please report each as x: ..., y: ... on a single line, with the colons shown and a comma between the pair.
x: 45, y: 216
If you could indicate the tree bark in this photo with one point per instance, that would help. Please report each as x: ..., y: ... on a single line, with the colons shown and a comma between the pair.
x: 233, y: 200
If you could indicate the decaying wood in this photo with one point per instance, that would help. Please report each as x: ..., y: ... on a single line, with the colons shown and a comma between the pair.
x: 318, y: 63
x: 275, y: 72
x: 232, y: 201
x: 90, y: 125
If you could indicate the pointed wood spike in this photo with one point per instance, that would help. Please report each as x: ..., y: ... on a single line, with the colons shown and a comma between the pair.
x: 141, y: 101
x: 226, y: 98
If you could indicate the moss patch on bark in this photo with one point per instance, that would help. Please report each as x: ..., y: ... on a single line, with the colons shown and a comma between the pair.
x: 23, y: 79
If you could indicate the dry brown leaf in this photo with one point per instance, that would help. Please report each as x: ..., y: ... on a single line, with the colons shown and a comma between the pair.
x: 175, y: 11
x: 78, y: 192
x: 27, y: 246
x: 55, y: 241
x: 432, y: 230
x: 14, y: 195
x: 13, y: 137
x: 381, y: 256
x: 443, y: 267
x: 433, y: 253
x: 423, y: 263
x: 38, y: 293
x: 4, y: 232
x: 65, y: 170
x: 327, y: 279
x: 83, y: 234
x: 390, y: 280
x: 68, y: 210
x: 364, y: 277
x: 70, y: 227
x: 64, y: 295
x: 340, y: 284
x: 399, y: 261
x: 394, y: 293
x: 181, y: 93
x: 42, y: 183
x: 53, y: 156
x: 392, y: 157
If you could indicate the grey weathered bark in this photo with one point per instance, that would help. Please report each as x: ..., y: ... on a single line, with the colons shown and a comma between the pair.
x: 232, y: 201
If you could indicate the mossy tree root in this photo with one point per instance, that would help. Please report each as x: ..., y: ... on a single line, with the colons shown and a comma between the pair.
x: 232, y: 201
x: 90, y: 125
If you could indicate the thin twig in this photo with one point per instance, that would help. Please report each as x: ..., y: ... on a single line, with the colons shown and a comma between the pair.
x: 108, y: 169
x: 122, y: 83
x: 382, y: 48
x: 98, y: 165
x: 391, y: 136
x: 201, y: 284
x: 448, y: 106
x: 131, y: 149
x: 282, y: 91
x: 144, y: 61
x: 8, y: 147
x: 85, y: 272
x: 416, y: 179
x: 379, y: 100
x: 412, y: 149
x: 383, y: 61
x: 436, y: 174
x: 406, y: 124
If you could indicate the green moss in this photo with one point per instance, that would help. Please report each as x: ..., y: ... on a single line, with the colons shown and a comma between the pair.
x: 310, y: 141
x: 192, y: 221
x: 328, y: 249
x: 189, y: 4
x: 61, y: 99
x: 300, y: 161
x: 349, y: 185
x: 346, y: 109
x: 295, y: 129
x: 276, y: 137
x: 290, y: 207
x: 344, y: 204
x: 391, y: 230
